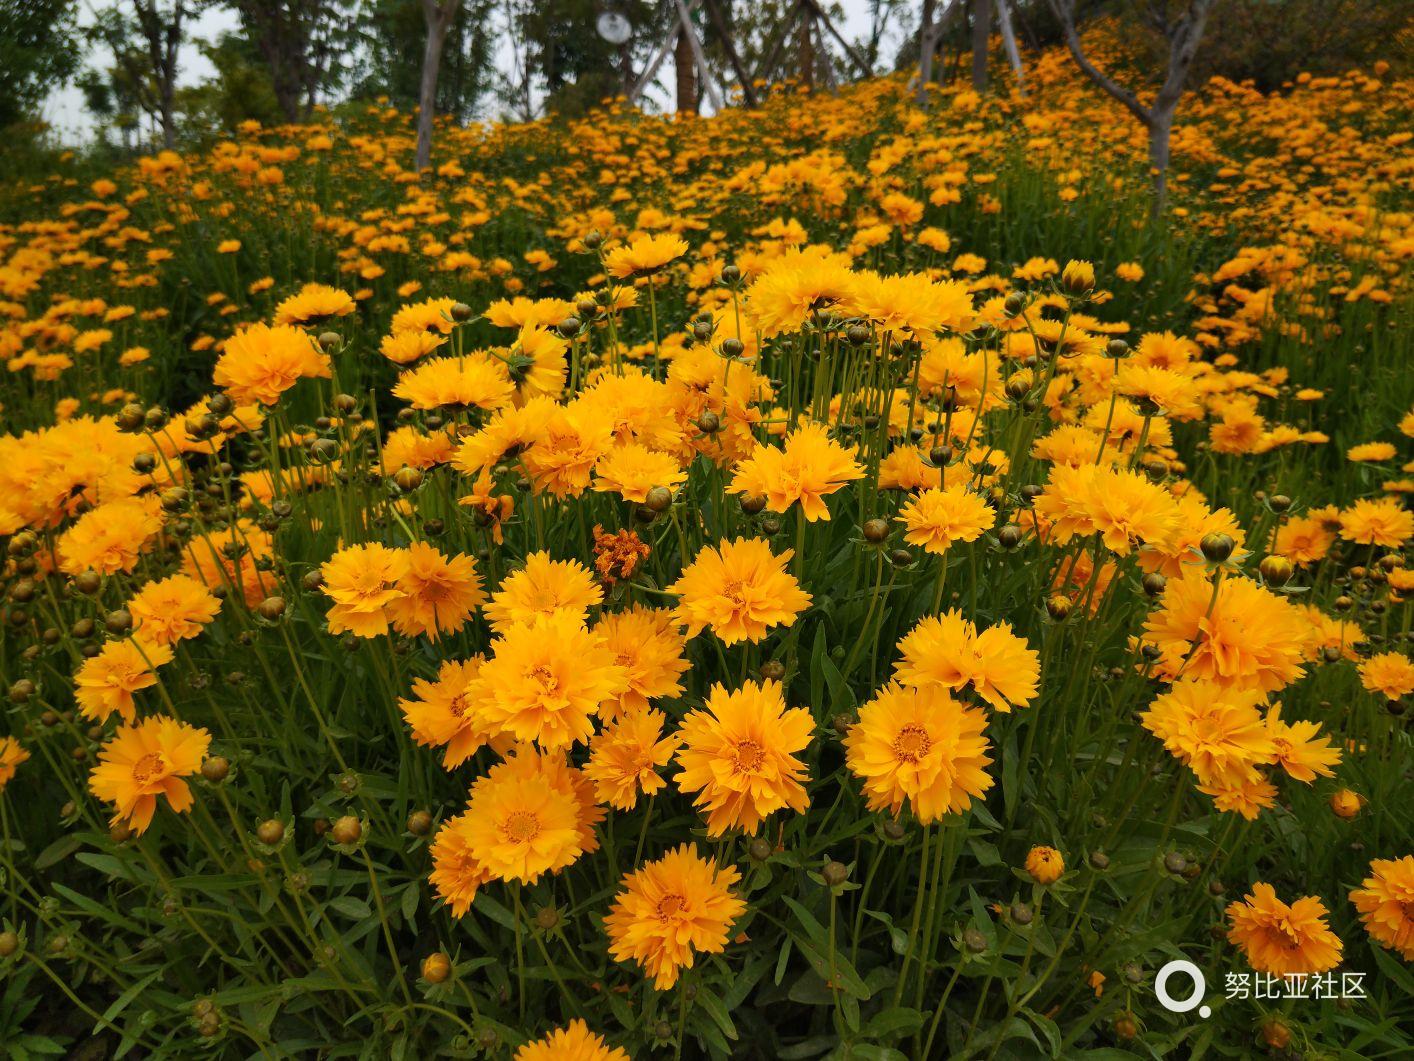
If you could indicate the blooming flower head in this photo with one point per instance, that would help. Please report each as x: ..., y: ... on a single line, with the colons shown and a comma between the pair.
x: 808, y: 468
x: 1298, y: 748
x: 574, y: 1043
x: 647, y: 254
x: 106, y: 682
x: 922, y: 746
x: 443, y: 713
x: 1045, y: 864
x: 261, y: 362
x: 1384, y: 522
x: 110, y: 538
x: 174, y: 609
x: 647, y: 644
x: 543, y: 587
x: 526, y: 817
x: 935, y: 519
x: 632, y: 469
x: 314, y: 304
x: 436, y: 593
x: 740, y: 589
x: 147, y: 760
x: 738, y: 755
x: 361, y: 580
x: 546, y: 680
x: 571, y: 443
x: 12, y: 754
x: 1385, y: 901
x: 456, y: 874
x: 669, y: 910
x: 1391, y: 674
x: 626, y: 755
x: 950, y: 652
x: 1240, y: 634
x: 1280, y: 939
x: 1216, y: 731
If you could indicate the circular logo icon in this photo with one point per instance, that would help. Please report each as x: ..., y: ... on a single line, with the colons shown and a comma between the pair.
x: 1195, y: 998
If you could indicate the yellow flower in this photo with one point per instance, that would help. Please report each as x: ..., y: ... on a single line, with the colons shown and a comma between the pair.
x: 1216, y: 731
x: 147, y: 760
x: 443, y: 713
x: 1280, y: 939
x: 624, y: 758
x: 1386, y: 904
x: 1045, y: 864
x: 174, y: 609
x: 110, y: 538
x: 631, y: 470
x: 922, y: 746
x: 106, y: 682
x: 809, y: 467
x: 647, y: 254
x: 436, y: 593
x: 575, y: 1043
x: 647, y: 644
x: 1382, y: 522
x: 738, y: 755
x: 543, y: 587
x: 260, y: 363
x: 740, y: 589
x: 362, y: 579
x: 314, y: 304
x: 545, y: 680
x: 12, y: 754
x: 456, y: 874
x: 949, y: 651
x: 526, y: 818
x: 671, y: 909
x: 1390, y: 674
x: 937, y: 518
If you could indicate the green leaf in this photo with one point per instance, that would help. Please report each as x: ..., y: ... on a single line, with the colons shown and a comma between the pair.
x: 898, y: 1020
x: 350, y: 907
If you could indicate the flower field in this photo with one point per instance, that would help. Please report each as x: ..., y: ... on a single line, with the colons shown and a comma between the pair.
x: 830, y: 580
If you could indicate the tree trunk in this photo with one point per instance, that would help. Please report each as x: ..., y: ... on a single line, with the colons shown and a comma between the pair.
x: 686, y: 70
x: 805, y: 42
x: 981, y: 37
x: 1160, y: 130
x: 439, y: 21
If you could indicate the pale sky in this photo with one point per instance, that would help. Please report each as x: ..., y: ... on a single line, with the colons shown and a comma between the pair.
x: 65, y: 110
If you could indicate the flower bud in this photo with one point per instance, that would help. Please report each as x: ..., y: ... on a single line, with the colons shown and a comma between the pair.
x: 436, y: 967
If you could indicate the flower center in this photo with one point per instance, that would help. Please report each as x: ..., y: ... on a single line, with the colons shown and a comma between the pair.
x: 749, y: 756
x: 147, y: 766
x: 912, y: 743
x: 521, y: 827
x: 670, y: 907
x: 546, y: 677
x: 460, y: 705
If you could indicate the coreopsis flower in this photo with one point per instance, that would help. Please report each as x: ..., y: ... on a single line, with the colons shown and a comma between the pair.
x: 949, y: 651
x: 174, y: 609
x: 443, y: 713
x: 1391, y: 674
x: 473, y: 381
x: 110, y: 538
x: 456, y: 874
x: 106, y: 682
x: 543, y: 587
x: 645, y: 255
x: 626, y: 755
x: 922, y: 746
x: 231, y: 558
x: 647, y: 644
x: 433, y: 315
x: 617, y: 555
x: 1303, y: 540
x: 738, y: 755
x: 669, y: 910
x: 1385, y: 900
x: 144, y: 761
x: 935, y: 519
x: 403, y: 348
x: 537, y: 362
x: 1280, y: 939
x: 740, y: 589
x: 362, y: 581
x: 545, y: 680
x: 1123, y: 507
x: 574, y: 1043
x: 572, y: 441
x: 912, y: 305
x: 1045, y: 865
x: 12, y: 754
x: 314, y: 304
x: 631, y: 470
x: 1247, y: 797
x: 1371, y: 451
x: 259, y: 363
x: 1384, y: 522
x: 806, y: 470
x: 525, y: 819
x: 1299, y: 750
x: 1215, y: 730
x: 436, y: 593
x: 1237, y: 634
x: 796, y: 285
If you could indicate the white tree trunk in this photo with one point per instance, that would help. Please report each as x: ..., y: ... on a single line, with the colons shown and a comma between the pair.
x: 439, y: 16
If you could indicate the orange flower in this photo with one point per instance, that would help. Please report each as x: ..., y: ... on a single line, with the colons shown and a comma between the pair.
x: 259, y: 363
x: 174, y: 609
x: 937, y: 518
x: 147, y: 760
x: 1386, y: 904
x: 1390, y: 674
x: 111, y: 537
x: 809, y: 467
x: 949, y: 651
x: 738, y: 756
x: 12, y: 754
x: 1280, y: 939
x: 528, y: 816
x: 575, y: 1043
x: 361, y: 580
x: 543, y: 587
x: 740, y: 589
x: 456, y: 873
x: 443, y: 713
x: 626, y: 755
x: 106, y: 682
x: 437, y: 593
